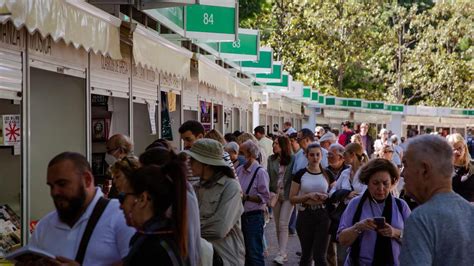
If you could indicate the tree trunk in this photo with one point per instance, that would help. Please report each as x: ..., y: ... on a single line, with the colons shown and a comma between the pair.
x: 399, y: 65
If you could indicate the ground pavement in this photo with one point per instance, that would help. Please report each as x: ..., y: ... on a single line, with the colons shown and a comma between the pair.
x: 293, y: 246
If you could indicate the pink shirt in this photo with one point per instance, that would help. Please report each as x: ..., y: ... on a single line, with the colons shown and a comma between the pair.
x: 260, y: 186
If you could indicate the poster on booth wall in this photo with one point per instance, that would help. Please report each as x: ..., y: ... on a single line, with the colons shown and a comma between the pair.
x: 171, y: 102
x: 11, y: 130
x: 166, y: 130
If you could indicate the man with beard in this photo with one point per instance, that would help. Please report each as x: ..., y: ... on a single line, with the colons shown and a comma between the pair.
x: 77, y: 201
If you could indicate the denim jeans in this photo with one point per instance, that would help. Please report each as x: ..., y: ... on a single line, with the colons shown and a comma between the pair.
x: 252, y: 228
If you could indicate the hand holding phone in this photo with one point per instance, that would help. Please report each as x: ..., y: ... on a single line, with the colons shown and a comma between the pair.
x: 380, y: 222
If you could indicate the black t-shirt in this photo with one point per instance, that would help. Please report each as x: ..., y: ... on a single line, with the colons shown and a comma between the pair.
x: 464, y: 188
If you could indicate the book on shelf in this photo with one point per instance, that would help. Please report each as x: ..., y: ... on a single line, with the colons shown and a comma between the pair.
x: 28, y: 253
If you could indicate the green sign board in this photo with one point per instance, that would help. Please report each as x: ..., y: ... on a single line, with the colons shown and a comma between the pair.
x: 321, y: 99
x: 307, y: 92
x: 245, y: 48
x: 395, y: 107
x: 171, y: 17
x: 264, y: 64
x: 354, y: 103
x: 315, y: 96
x: 211, y: 20
x: 374, y: 105
x: 274, y: 77
x: 284, y: 84
x: 343, y: 102
x: 468, y: 112
x: 330, y: 100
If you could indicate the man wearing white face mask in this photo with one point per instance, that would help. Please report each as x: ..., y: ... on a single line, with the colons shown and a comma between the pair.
x: 118, y: 147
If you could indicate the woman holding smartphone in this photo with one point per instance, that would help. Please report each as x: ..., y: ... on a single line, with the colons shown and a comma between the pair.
x: 372, y: 223
x: 309, y: 190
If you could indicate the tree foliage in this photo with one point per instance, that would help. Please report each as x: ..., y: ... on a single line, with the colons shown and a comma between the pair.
x: 405, y: 53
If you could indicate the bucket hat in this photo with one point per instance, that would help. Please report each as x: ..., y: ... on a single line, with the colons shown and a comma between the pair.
x: 207, y: 151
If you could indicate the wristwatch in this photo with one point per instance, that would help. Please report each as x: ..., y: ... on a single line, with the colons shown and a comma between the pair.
x: 357, y: 230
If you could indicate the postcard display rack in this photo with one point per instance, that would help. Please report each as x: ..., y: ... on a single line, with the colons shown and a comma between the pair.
x: 101, y: 117
x: 10, y: 235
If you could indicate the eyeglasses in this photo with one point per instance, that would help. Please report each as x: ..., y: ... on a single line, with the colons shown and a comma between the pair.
x: 387, y: 151
x: 123, y: 195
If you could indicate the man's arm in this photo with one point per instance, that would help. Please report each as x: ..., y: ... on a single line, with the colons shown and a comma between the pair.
x: 417, y: 244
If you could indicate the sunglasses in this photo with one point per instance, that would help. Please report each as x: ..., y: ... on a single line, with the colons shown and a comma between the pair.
x: 123, y: 195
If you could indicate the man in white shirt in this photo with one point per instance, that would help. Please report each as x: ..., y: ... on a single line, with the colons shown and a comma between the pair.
x: 60, y: 232
x: 265, y: 143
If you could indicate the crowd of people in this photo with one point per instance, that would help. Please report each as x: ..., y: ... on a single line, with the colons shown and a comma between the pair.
x: 352, y: 199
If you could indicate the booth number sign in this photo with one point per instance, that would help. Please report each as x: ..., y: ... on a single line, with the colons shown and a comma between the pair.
x: 10, y: 130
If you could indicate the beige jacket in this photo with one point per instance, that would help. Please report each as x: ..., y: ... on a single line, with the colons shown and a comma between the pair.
x: 220, y: 208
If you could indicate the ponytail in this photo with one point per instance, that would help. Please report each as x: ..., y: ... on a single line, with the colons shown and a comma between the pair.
x: 175, y: 171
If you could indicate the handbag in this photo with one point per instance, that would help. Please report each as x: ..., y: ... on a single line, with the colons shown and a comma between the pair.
x: 273, y: 199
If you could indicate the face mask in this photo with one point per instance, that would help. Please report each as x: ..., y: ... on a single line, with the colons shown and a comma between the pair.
x: 241, y: 159
x: 110, y: 159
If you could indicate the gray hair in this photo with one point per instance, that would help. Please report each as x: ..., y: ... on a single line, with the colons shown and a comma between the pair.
x: 232, y: 146
x: 338, y: 147
x: 252, y: 148
x: 394, y: 139
x: 435, y: 150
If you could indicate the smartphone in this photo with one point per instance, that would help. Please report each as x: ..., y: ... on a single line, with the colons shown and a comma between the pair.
x: 380, y: 222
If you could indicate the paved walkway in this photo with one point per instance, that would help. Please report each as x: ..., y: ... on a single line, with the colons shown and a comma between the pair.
x: 293, y: 246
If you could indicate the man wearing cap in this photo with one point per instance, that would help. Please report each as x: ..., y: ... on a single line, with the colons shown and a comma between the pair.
x: 327, y: 139
x: 345, y: 137
x: 220, y: 202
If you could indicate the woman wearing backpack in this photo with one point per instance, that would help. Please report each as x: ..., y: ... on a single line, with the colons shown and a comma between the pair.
x: 372, y: 223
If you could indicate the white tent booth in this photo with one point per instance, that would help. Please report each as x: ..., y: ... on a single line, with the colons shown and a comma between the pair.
x: 165, y: 66
x: 49, y: 83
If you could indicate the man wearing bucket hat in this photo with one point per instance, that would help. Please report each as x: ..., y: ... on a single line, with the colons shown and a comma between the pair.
x: 220, y: 202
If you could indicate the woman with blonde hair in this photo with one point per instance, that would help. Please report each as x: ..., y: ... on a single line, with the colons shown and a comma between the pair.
x: 356, y: 138
x: 463, y: 179
x: 379, y: 143
x: 355, y: 157
x: 215, y: 135
x: 120, y: 171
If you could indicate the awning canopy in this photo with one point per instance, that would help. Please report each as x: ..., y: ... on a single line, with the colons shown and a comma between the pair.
x: 212, y: 74
x: 155, y: 52
x: 73, y: 21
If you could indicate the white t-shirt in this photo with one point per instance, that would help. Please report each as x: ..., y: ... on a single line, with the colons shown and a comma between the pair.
x: 108, y: 244
x: 310, y: 182
x: 344, y: 182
